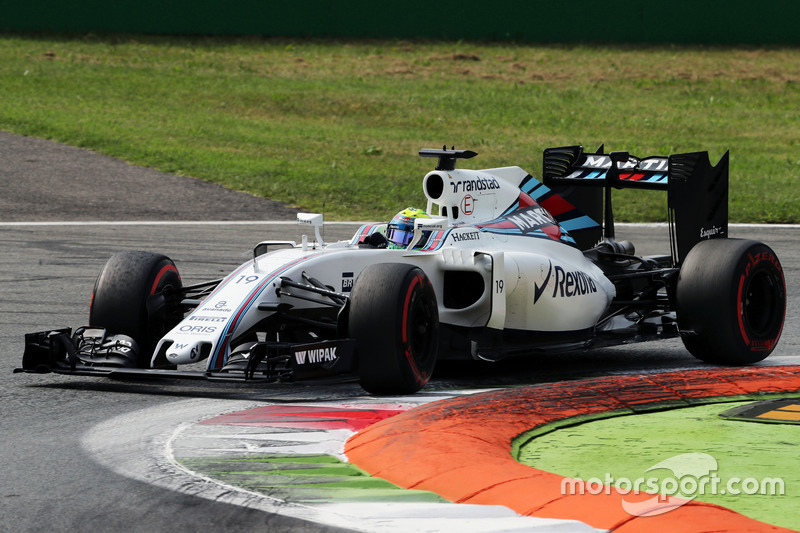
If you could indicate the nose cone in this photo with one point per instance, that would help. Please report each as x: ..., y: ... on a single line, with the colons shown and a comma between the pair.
x: 185, y: 353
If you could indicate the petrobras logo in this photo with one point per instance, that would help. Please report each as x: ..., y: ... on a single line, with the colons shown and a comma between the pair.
x: 478, y: 184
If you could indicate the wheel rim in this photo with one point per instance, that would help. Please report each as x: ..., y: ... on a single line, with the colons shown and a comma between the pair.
x: 761, y: 305
x: 420, y: 330
x: 421, y: 325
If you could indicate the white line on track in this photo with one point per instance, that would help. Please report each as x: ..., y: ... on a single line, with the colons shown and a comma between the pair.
x: 171, y: 223
x: 294, y: 223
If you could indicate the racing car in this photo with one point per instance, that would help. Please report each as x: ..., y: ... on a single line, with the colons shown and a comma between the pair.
x: 498, y: 264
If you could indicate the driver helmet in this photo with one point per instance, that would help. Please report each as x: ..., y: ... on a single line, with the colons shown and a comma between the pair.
x: 400, y: 230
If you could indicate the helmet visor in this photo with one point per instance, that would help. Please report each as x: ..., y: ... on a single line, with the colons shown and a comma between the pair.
x: 400, y: 237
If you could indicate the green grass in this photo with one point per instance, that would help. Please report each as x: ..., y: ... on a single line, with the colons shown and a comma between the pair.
x: 750, y: 451
x: 336, y: 126
x: 305, y: 479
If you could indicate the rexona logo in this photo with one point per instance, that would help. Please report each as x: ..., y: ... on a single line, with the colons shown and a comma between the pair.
x: 566, y: 283
x: 315, y: 355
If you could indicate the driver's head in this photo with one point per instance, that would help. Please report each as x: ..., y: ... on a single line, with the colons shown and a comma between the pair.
x: 400, y: 230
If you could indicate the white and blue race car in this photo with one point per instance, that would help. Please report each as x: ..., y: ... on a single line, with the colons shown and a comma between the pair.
x: 503, y: 265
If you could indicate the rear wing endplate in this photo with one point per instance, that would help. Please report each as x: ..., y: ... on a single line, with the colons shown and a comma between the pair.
x: 697, y: 192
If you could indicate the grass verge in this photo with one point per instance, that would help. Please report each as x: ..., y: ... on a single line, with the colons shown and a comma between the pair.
x: 335, y: 126
x: 615, y: 449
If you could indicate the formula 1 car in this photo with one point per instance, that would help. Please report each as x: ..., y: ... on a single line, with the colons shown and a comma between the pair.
x: 505, y: 265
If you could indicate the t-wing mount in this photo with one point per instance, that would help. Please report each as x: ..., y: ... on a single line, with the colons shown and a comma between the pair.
x: 447, y: 158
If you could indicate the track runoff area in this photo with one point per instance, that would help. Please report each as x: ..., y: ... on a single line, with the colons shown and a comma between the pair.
x: 689, y: 450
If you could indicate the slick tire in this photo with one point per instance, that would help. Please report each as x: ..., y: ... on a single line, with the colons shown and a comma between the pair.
x: 731, y: 301
x: 137, y: 294
x: 394, y: 319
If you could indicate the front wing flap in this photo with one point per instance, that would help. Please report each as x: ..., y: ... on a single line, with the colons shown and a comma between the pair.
x: 63, y: 351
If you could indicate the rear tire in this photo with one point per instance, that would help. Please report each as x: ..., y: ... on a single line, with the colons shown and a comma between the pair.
x: 731, y: 301
x: 137, y: 294
x: 394, y: 319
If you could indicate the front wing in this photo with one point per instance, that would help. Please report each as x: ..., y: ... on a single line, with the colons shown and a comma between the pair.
x: 85, y: 352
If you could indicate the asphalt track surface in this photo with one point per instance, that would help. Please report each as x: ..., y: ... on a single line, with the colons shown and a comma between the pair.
x: 63, y: 212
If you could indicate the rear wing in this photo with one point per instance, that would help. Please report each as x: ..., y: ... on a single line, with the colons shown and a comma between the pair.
x: 697, y: 192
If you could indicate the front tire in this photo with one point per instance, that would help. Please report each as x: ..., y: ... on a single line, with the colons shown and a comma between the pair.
x: 731, y: 301
x: 394, y: 319
x: 137, y: 294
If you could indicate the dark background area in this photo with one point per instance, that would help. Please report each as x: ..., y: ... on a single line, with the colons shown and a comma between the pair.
x: 536, y: 21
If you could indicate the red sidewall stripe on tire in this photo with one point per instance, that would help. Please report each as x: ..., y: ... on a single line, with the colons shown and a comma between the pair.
x: 161, y: 273
x: 740, y: 313
x: 406, y: 347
